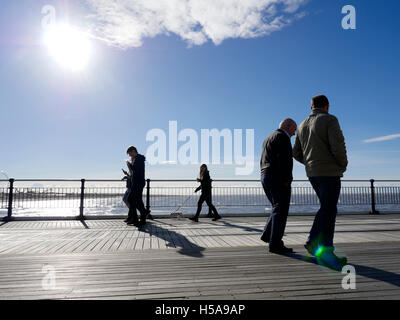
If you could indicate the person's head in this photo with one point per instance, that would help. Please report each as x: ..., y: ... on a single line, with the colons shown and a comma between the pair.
x: 203, y: 169
x: 289, y: 125
x: 132, y: 152
x: 320, y: 102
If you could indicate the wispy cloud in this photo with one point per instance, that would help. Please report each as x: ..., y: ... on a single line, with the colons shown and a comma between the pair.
x: 384, y: 138
x: 125, y: 23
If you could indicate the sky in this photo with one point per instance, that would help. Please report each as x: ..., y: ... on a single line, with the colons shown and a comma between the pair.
x: 204, y: 64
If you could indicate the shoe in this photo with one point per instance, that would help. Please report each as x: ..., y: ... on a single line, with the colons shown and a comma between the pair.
x: 310, y: 249
x: 281, y: 250
x: 148, y: 215
x: 331, y: 260
x: 141, y: 223
x: 126, y: 220
x: 195, y: 219
x: 264, y: 238
x: 209, y: 215
x: 132, y: 223
x: 217, y: 218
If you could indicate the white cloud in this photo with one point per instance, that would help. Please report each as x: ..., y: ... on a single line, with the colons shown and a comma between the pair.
x: 125, y: 23
x: 384, y: 138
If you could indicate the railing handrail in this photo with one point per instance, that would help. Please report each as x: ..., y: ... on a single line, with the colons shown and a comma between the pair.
x: 15, y: 191
x: 184, y: 180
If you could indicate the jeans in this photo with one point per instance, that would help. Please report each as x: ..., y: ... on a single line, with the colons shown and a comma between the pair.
x: 136, y: 202
x: 323, y: 228
x: 279, y: 195
x: 207, y: 198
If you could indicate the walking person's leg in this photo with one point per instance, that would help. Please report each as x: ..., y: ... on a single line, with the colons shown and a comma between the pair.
x: 265, y: 181
x: 125, y: 199
x: 211, y: 207
x: 330, y: 191
x: 132, y: 215
x: 279, y: 196
x: 199, y: 206
x: 140, y: 205
x: 314, y: 237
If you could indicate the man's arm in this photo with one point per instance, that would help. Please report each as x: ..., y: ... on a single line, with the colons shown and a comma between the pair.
x: 298, y: 151
x: 336, y: 142
x: 284, y: 158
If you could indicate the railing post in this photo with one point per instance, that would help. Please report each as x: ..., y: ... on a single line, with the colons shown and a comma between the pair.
x: 10, y: 199
x: 82, y: 199
x: 373, y: 210
x: 148, y: 194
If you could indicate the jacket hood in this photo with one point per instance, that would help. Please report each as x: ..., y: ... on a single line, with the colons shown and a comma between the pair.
x: 140, y: 157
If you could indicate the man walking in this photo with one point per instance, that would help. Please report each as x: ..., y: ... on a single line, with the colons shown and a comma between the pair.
x: 276, y: 177
x: 135, y: 199
x: 320, y: 146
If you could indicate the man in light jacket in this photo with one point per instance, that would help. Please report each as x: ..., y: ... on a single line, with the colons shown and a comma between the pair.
x: 320, y: 146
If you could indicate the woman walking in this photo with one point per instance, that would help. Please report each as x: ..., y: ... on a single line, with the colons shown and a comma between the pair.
x: 205, y: 187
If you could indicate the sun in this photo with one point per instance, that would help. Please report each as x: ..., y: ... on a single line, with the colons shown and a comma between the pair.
x: 68, y: 46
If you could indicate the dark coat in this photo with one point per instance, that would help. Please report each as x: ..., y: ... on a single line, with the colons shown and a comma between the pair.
x: 277, y: 156
x: 205, y: 184
x: 137, y: 172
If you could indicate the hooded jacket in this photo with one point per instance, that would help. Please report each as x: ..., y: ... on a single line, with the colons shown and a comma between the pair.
x: 137, y: 172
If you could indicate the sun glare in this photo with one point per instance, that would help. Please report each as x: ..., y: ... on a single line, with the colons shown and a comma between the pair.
x: 68, y: 46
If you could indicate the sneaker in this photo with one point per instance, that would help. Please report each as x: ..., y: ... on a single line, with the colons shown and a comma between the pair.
x: 132, y: 223
x: 310, y: 249
x: 331, y: 260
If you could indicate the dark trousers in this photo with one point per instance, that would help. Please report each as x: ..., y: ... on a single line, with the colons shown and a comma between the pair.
x: 207, y: 198
x: 136, y: 202
x: 279, y: 196
x: 323, y: 228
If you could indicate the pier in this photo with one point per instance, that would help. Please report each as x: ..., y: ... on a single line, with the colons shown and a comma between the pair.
x: 179, y: 259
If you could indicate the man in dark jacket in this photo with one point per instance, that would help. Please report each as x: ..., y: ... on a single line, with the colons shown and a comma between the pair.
x: 276, y: 177
x: 137, y: 183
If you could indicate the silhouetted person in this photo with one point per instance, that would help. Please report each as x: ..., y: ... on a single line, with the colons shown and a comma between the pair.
x: 137, y: 182
x: 276, y: 177
x: 205, y: 187
x: 320, y: 146
x: 127, y: 177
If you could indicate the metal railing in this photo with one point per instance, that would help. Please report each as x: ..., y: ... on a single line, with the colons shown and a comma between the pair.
x: 87, y: 194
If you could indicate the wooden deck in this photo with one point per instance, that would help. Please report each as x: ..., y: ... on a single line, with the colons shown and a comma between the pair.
x: 179, y: 259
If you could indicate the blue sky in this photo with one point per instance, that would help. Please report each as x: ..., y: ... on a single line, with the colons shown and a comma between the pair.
x: 56, y: 123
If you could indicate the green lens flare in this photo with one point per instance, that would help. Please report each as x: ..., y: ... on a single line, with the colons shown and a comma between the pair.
x: 319, y: 251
